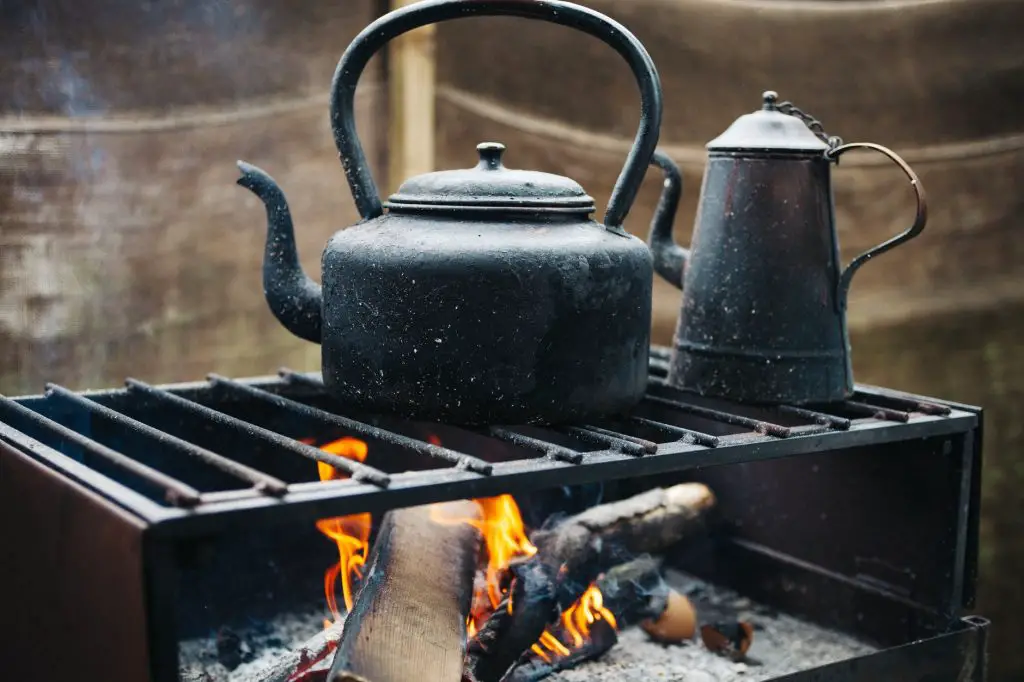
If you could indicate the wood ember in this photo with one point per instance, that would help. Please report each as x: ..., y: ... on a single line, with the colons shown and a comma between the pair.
x: 408, y: 621
x: 587, y: 544
x: 535, y: 667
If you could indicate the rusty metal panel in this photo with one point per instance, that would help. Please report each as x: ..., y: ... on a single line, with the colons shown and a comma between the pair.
x: 71, y: 580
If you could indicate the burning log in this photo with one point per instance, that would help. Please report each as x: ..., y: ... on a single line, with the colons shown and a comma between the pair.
x: 583, y: 546
x: 408, y: 621
x: 572, y: 554
x: 510, y: 631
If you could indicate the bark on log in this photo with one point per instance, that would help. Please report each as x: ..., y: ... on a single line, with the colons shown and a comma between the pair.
x: 408, y: 621
x: 585, y: 545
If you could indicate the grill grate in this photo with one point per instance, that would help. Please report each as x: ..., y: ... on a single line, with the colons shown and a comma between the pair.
x: 225, y: 447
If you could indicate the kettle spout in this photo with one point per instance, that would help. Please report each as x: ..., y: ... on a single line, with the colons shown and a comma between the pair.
x: 293, y: 297
x: 669, y: 258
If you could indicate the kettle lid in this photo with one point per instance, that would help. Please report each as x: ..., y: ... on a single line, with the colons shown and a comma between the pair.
x: 768, y: 130
x: 490, y: 186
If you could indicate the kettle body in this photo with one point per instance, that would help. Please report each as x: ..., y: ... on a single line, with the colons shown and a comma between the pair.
x: 547, y: 320
x: 763, y: 315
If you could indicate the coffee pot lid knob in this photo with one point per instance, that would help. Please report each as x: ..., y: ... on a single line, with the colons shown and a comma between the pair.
x: 769, y: 129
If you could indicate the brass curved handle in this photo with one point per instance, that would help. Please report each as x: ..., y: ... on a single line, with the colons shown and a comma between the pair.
x: 843, y: 288
x: 394, y: 24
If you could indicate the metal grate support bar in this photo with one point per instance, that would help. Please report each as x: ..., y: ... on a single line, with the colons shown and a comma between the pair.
x: 176, y: 492
x: 648, y: 445
x: 358, y: 471
x: 829, y: 420
x: 909, y: 404
x: 460, y: 460
x: 763, y: 427
x: 264, y: 483
x: 684, y: 435
x: 877, y: 412
x: 549, y: 449
x: 596, y: 437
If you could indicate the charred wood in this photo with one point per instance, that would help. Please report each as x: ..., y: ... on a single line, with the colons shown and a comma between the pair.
x: 570, y: 557
x: 536, y: 667
x: 515, y: 625
x: 408, y: 621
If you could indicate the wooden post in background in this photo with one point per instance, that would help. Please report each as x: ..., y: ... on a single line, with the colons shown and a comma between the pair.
x: 411, y: 84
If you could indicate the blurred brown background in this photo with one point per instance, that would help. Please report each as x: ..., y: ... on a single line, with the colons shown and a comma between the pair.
x: 126, y: 248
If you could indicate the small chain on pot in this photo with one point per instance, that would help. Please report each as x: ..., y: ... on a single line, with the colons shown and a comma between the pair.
x: 814, y: 124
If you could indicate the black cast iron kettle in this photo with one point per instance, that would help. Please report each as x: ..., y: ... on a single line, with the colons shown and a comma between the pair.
x: 479, y: 296
x: 764, y: 295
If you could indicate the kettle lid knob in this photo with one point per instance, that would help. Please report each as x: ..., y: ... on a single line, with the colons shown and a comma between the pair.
x: 491, y: 187
x: 770, y: 100
x: 490, y: 155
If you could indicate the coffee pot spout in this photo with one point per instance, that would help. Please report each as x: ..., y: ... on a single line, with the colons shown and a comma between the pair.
x: 669, y: 258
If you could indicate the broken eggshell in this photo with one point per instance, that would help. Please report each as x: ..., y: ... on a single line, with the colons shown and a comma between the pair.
x: 677, y: 623
x: 729, y: 639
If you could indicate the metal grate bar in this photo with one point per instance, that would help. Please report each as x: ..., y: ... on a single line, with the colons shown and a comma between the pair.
x: 549, y: 449
x: 264, y: 483
x: 589, y: 435
x: 649, y: 446
x: 767, y: 428
x: 357, y: 470
x: 829, y: 420
x: 911, y: 405
x: 684, y: 435
x: 460, y: 460
x: 876, y: 411
x: 176, y: 492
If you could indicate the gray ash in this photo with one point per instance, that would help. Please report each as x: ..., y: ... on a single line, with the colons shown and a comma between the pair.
x: 782, y: 645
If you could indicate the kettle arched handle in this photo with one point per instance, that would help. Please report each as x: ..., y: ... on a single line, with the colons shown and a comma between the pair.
x: 397, y: 22
x: 843, y: 287
x: 669, y: 257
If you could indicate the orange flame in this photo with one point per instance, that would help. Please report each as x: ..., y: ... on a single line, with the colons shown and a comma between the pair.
x: 350, y: 533
x: 501, y: 525
x: 506, y: 540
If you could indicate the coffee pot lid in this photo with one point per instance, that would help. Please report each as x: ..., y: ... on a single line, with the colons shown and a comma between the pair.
x: 768, y: 130
x: 490, y: 186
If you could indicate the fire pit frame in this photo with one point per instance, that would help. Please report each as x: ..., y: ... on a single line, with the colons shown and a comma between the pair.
x: 97, y: 561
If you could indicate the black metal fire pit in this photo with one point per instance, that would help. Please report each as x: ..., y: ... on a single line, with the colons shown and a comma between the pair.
x: 120, y: 510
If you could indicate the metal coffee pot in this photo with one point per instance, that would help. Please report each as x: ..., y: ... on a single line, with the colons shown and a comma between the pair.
x: 477, y: 296
x: 764, y: 296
